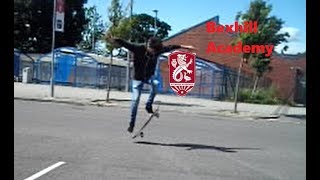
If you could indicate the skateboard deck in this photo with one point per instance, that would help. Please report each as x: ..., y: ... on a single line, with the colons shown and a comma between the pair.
x: 140, y: 132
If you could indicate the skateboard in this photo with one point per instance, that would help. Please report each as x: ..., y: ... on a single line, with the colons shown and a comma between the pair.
x: 140, y: 133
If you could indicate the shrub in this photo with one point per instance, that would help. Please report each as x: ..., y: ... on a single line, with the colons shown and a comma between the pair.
x: 261, y: 96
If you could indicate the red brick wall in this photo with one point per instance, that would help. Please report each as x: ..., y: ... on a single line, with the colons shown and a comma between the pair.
x: 281, y: 75
x: 199, y: 38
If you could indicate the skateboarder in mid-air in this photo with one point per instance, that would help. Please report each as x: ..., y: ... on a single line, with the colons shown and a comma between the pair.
x: 144, y: 64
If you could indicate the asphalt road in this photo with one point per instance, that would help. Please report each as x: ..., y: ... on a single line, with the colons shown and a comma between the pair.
x: 93, y: 144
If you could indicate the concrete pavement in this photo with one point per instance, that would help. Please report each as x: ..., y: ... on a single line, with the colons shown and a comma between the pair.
x: 87, y: 96
x: 94, y: 144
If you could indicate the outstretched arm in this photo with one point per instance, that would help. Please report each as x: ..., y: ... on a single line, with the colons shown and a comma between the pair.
x: 188, y: 47
x: 117, y: 42
x: 173, y: 47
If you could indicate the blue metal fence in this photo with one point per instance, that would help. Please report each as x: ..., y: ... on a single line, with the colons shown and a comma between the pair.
x: 16, y: 63
x: 75, y: 68
x: 213, y: 81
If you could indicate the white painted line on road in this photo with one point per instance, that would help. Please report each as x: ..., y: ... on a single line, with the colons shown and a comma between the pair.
x: 50, y: 168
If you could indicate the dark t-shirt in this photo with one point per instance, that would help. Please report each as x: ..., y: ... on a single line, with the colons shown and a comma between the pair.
x: 144, y: 62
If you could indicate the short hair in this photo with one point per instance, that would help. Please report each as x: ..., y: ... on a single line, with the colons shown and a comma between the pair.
x: 154, y: 43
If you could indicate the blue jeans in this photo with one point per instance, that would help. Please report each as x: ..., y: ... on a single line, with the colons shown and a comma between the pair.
x: 136, y: 93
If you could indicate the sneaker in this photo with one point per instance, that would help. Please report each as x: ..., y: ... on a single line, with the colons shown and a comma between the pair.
x: 130, y: 129
x: 149, y: 109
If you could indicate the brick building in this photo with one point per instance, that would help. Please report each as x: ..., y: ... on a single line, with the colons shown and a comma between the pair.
x: 283, y: 76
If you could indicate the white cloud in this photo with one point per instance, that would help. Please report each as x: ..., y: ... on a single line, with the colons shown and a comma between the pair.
x: 296, y: 44
x: 293, y: 47
x: 293, y: 32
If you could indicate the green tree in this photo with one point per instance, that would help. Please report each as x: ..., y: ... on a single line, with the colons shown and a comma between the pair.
x: 23, y: 36
x: 268, y: 33
x: 94, y: 29
x: 117, y: 28
x: 143, y: 28
x: 33, y: 25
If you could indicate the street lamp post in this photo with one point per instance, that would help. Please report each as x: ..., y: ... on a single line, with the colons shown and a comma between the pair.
x: 128, y: 53
x: 52, y: 49
x: 237, y: 86
x: 155, y: 22
x: 92, y: 23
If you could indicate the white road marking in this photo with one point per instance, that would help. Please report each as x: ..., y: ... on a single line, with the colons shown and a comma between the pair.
x: 50, y: 168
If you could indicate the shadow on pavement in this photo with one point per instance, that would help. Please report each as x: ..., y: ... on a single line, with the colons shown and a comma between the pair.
x: 302, y: 117
x: 191, y: 146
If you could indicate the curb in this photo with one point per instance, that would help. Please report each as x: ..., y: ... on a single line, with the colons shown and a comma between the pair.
x: 223, y: 113
x: 64, y: 101
x: 49, y: 100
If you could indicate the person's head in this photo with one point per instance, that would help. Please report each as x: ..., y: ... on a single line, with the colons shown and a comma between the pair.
x: 154, y: 44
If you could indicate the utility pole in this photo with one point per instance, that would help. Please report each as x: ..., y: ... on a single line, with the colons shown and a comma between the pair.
x: 155, y: 23
x: 128, y: 53
x: 93, y: 24
x: 52, y: 49
x: 239, y: 73
x: 237, y: 86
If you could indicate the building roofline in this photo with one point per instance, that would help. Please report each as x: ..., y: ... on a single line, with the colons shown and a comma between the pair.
x: 215, y: 18
x: 297, y: 56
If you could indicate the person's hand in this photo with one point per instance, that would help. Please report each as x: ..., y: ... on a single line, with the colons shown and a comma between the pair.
x: 109, y: 38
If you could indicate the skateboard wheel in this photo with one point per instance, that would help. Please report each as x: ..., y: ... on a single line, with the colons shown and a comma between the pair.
x: 141, y: 134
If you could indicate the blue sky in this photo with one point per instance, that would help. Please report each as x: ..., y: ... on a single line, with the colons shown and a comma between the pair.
x: 181, y: 14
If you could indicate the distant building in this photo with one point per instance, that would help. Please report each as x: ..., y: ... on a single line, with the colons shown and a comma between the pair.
x: 283, y: 76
